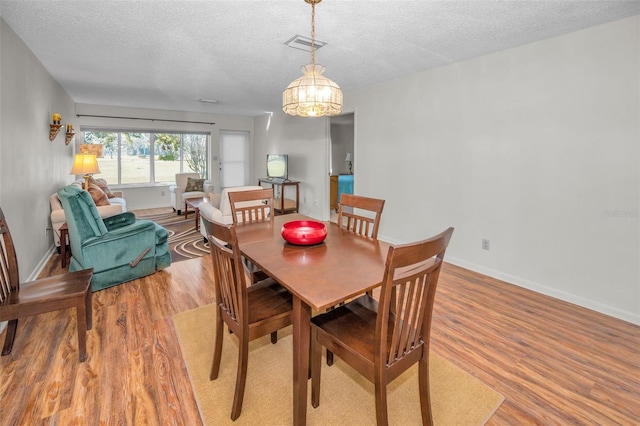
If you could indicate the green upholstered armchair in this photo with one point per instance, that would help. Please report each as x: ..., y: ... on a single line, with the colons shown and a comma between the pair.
x: 119, y: 248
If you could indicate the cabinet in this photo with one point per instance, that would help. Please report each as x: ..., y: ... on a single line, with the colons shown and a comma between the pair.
x: 338, y: 185
x: 333, y: 191
x: 282, y: 204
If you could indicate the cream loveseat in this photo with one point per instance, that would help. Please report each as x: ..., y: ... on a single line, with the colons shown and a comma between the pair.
x: 117, y: 205
x: 219, y: 208
x: 179, y: 191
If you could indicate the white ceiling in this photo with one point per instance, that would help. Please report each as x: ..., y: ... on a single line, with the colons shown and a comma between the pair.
x: 170, y: 54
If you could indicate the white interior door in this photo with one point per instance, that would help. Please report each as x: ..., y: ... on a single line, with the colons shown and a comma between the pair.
x: 234, y: 158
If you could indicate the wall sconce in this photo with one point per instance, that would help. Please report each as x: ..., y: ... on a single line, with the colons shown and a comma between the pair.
x: 69, y: 135
x: 56, y: 125
x: 349, y: 160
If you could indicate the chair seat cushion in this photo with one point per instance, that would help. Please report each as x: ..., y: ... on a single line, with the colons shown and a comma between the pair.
x: 193, y: 194
x: 353, y: 322
x: 267, y: 299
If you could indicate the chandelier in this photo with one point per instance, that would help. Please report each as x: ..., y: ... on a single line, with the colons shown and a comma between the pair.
x: 313, y: 94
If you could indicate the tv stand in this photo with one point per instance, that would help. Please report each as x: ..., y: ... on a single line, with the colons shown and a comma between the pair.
x: 283, y: 205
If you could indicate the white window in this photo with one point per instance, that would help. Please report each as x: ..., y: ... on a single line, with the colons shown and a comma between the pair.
x: 137, y: 157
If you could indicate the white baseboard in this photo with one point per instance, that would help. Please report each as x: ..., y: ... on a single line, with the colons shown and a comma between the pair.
x: 549, y: 291
x: 43, y: 262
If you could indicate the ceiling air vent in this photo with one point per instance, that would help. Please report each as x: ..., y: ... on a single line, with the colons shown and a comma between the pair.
x: 303, y: 43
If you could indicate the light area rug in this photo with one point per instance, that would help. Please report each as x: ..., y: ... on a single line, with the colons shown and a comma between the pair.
x: 346, y: 398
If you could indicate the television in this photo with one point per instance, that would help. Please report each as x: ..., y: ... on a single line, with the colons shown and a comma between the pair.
x: 277, y: 166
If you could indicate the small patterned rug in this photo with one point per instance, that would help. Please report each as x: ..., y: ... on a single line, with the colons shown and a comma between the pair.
x: 184, y: 241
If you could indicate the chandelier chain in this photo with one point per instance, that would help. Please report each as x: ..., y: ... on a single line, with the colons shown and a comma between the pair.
x: 313, y: 33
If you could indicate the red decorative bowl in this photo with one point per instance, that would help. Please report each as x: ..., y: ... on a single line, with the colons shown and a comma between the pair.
x: 304, y: 232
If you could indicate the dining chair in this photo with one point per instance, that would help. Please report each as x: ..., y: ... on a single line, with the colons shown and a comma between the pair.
x: 364, y: 225
x: 250, y: 207
x: 249, y: 312
x: 19, y: 300
x: 382, y: 339
x: 361, y: 224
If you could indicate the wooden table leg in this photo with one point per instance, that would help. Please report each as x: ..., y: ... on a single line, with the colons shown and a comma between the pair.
x: 197, y: 219
x: 64, y: 233
x: 186, y: 210
x: 301, y: 336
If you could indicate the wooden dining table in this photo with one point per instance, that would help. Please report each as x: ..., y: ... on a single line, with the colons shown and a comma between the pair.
x: 319, y: 276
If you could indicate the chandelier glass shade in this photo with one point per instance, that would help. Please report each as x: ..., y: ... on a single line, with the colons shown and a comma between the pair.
x: 313, y: 94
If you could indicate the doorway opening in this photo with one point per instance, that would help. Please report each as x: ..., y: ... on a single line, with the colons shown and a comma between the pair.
x: 234, y: 158
x: 341, y: 160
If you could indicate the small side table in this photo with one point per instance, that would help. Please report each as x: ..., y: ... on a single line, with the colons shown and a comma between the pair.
x: 64, y: 237
x: 195, y: 203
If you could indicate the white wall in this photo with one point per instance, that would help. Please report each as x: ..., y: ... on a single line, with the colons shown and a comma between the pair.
x: 31, y: 166
x: 534, y: 148
x: 158, y: 196
x: 305, y: 140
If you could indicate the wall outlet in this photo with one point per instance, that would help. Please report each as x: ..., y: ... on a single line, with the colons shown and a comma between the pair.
x: 485, y: 244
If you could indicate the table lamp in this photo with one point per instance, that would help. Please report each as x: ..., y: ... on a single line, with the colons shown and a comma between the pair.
x: 349, y: 160
x: 85, y: 164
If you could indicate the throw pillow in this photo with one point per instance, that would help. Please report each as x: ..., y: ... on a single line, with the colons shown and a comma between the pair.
x: 98, y: 195
x: 102, y: 184
x: 194, y: 185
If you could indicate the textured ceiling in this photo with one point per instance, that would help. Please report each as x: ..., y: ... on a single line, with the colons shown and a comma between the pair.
x: 169, y: 54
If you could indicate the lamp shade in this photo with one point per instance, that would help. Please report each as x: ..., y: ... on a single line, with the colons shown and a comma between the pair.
x: 85, y: 164
x: 348, y: 157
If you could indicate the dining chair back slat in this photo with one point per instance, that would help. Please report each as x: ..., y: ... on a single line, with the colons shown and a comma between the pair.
x: 252, y: 206
x: 230, y: 286
x: 412, y: 298
x: 361, y: 224
x: 9, y: 274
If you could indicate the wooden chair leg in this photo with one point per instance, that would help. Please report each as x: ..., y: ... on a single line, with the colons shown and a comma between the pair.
x: 425, y: 396
x: 217, y: 348
x: 81, y: 314
x: 274, y: 337
x: 329, y: 354
x: 382, y: 418
x: 12, y: 326
x: 241, y: 379
x: 316, y: 368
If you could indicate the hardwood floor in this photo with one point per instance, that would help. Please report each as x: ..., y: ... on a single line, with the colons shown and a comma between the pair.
x: 555, y: 363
